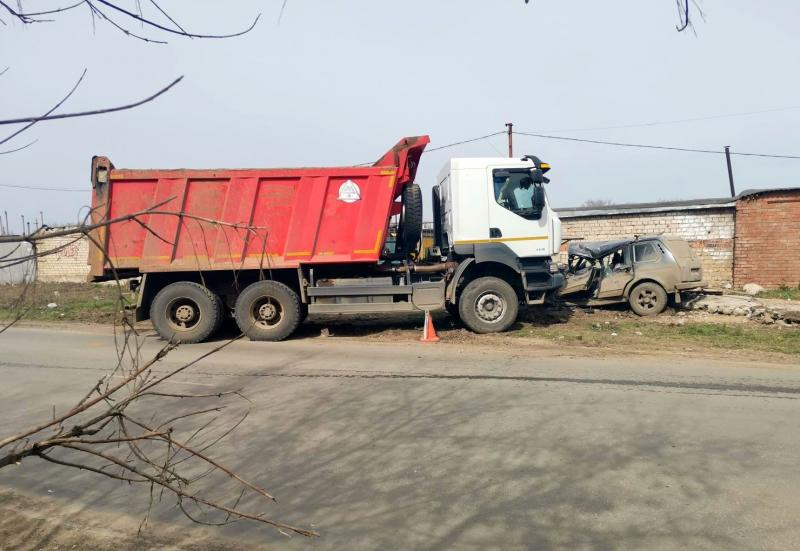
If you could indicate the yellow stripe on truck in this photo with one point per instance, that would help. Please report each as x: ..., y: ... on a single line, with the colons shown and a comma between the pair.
x: 502, y: 240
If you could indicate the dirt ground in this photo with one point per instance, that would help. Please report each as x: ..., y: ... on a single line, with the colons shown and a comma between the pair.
x: 30, y: 523
x: 610, y: 330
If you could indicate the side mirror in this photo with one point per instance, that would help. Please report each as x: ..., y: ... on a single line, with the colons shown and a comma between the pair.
x: 538, y: 201
x: 537, y: 175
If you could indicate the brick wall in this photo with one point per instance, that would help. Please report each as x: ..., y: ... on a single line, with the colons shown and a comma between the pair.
x: 768, y: 239
x: 709, y: 231
x: 69, y: 263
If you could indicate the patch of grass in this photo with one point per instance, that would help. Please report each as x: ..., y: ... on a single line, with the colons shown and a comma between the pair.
x: 84, y: 302
x: 649, y: 335
x: 742, y: 337
x: 785, y: 292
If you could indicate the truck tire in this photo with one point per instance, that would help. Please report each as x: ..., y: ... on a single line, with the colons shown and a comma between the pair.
x: 648, y: 299
x: 488, y: 305
x: 186, y: 312
x: 267, y: 311
x: 409, y: 231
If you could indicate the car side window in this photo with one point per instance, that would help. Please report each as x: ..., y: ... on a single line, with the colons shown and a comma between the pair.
x: 645, y: 252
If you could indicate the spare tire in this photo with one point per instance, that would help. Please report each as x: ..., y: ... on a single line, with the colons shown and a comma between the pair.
x: 409, y: 231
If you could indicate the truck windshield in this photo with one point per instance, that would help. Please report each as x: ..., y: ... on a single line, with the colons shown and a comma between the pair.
x: 514, y: 192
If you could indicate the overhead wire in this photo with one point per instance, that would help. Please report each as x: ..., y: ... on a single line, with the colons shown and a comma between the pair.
x: 43, y: 188
x: 462, y: 142
x: 648, y: 146
x: 677, y: 121
x: 520, y: 133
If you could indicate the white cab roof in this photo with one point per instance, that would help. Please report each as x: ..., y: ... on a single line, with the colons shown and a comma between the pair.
x: 481, y: 162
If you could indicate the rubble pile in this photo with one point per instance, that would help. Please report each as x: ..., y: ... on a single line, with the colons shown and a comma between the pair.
x: 748, y: 306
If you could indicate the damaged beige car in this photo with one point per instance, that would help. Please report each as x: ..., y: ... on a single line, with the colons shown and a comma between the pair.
x: 644, y: 272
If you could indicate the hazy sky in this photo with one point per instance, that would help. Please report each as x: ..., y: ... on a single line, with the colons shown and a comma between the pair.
x: 338, y: 83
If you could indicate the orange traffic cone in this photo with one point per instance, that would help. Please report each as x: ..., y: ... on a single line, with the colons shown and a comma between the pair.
x: 428, y: 330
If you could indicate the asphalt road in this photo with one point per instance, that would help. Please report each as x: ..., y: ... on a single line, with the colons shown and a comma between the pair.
x: 382, y: 446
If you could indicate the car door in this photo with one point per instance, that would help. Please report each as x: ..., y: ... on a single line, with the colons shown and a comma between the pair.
x: 617, y: 274
x: 652, y: 261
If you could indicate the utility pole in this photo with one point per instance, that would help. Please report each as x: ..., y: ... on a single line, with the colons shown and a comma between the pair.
x: 730, y: 169
x: 510, y: 132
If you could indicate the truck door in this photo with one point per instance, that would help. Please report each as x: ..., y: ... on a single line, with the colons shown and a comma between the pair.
x: 518, y: 214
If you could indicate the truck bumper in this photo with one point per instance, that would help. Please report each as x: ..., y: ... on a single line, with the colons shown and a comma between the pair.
x: 542, y: 282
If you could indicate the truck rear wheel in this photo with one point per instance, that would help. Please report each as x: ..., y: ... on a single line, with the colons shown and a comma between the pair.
x: 267, y: 311
x: 488, y: 305
x: 186, y: 312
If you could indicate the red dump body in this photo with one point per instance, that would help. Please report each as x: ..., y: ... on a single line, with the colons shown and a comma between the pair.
x: 225, y: 219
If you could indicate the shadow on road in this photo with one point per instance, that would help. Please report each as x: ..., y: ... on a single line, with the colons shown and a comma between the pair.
x: 442, y: 464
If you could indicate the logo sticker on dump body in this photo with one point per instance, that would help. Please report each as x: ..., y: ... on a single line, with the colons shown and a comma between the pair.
x: 349, y: 192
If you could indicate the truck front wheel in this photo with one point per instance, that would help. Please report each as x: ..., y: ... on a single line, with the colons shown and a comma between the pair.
x: 186, y: 312
x: 267, y: 311
x: 488, y: 305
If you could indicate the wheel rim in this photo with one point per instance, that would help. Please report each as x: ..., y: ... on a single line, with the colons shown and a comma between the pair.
x: 647, y: 299
x: 266, y: 312
x: 183, y: 314
x: 490, y: 307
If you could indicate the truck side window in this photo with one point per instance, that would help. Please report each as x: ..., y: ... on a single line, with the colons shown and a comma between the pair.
x: 514, y: 191
x: 645, y: 252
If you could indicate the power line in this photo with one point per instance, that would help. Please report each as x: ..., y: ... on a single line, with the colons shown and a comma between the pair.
x: 34, y: 188
x: 479, y: 138
x: 529, y: 134
x: 661, y: 147
x: 432, y: 149
x: 678, y: 121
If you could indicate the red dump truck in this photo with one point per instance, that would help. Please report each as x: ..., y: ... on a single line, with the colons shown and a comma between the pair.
x: 270, y: 246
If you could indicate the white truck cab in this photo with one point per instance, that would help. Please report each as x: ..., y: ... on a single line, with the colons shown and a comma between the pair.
x: 494, y: 201
x: 493, y: 220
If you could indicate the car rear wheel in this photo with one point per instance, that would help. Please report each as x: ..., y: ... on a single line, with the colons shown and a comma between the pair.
x: 488, y: 305
x: 648, y: 299
x: 186, y: 312
x: 267, y: 311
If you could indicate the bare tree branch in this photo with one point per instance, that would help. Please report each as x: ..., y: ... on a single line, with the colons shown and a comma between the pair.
x: 48, y: 12
x: 119, y: 27
x: 33, y: 120
x: 104, y: 421
x: 168, y: 17
x: 32, y: 17
x: 173, y: 31
x: 94, y: 111
x: 26, y: 146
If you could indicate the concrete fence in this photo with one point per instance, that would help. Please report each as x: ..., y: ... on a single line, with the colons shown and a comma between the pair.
x: 68, y: 261
x: 18, y: 267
